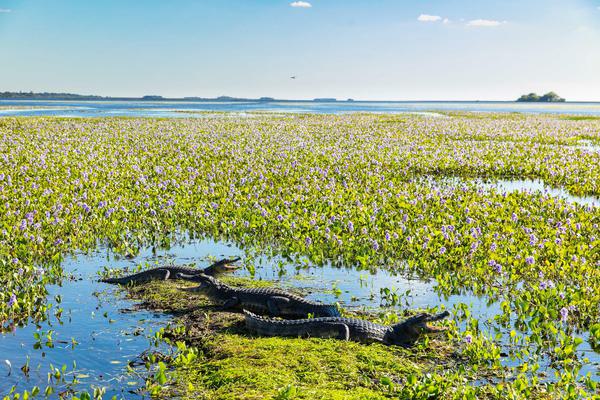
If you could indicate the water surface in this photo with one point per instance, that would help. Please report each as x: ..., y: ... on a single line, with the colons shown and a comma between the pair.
x: 197, y: 108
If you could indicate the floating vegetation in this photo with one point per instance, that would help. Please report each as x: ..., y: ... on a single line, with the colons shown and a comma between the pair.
x: 366, y: 191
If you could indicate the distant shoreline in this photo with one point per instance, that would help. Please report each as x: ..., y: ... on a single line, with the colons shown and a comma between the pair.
x: 30, y: 96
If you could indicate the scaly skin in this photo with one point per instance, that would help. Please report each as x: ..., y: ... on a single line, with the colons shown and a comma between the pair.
x: 269, y: 301
x: 172, y: 272
x: 358, y: 330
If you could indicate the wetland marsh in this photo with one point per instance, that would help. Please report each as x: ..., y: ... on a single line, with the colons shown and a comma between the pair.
x: 491, y: 216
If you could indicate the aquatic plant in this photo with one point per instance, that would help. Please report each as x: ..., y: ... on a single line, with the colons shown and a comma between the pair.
x: 369, y: 191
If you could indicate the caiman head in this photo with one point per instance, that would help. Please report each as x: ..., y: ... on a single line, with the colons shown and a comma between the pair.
x: 222, y: 266
x: 408, y: 331
x: 206, y: 283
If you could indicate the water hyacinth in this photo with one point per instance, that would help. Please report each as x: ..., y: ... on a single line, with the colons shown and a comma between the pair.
x: 564, y: 314
x: 370, y: 190
x: 12, y: 300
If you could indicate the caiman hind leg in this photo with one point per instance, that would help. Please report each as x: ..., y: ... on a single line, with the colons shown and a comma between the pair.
x: 276, y: 305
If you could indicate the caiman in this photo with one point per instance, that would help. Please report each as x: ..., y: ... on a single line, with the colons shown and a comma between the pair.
x: 172, y: 272
x: 269, y: 301
x: 404, y: 333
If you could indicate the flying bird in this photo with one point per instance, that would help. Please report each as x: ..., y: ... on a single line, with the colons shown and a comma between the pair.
x: 293, y: 77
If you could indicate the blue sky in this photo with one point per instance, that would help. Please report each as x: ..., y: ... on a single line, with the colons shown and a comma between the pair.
x: 364, y: 49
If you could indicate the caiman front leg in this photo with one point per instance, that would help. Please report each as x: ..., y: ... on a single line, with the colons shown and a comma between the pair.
x: 229, y: 303
x: 327, y: 330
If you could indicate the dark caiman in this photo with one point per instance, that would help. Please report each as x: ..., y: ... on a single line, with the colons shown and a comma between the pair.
x: 172, y: 272
x: 270, y: 301
x: 358, y: 330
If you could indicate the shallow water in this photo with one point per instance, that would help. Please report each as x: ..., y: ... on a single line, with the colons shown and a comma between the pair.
x: 192, y: 108
x: 107, y: 338
x: 536, y: 185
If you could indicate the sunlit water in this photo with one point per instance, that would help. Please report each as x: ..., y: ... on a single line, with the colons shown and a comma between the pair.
x: 197, y: 108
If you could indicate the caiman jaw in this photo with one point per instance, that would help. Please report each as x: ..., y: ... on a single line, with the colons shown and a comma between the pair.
x: 430, y: 329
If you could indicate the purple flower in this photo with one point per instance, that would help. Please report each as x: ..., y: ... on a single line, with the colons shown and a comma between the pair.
x: 12, y: 301
x: 564, y: 314
x: 375, y: 245
x: 530, y: 260
x: 350, y: 226
x: 442, y: 250
x: 468, y: 339
x: 308, y: 241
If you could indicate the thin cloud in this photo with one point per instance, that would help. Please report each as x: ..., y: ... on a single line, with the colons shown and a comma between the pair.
x: 5, y: 10
x: 429, y: 18
x: 487, y: 23
x: 301, y: 4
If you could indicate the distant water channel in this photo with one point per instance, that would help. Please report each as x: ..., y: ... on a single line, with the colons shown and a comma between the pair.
x: 200, y: 108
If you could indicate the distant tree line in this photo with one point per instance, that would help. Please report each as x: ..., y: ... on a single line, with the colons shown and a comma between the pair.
x: 549, y: 97
x: 72, y: 96
x: 46, y: 96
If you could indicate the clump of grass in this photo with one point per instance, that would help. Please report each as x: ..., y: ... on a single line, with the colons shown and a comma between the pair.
x: 218, y: 359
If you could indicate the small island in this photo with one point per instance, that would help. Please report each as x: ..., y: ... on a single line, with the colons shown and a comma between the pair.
x: 549, y: 97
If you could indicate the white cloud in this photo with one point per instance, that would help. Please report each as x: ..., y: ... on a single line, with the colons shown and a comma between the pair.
x: 428, y: 18
x: 5, y: 10
x: 446, y: 21
x: 301, y: 4
x: 485, y: 22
